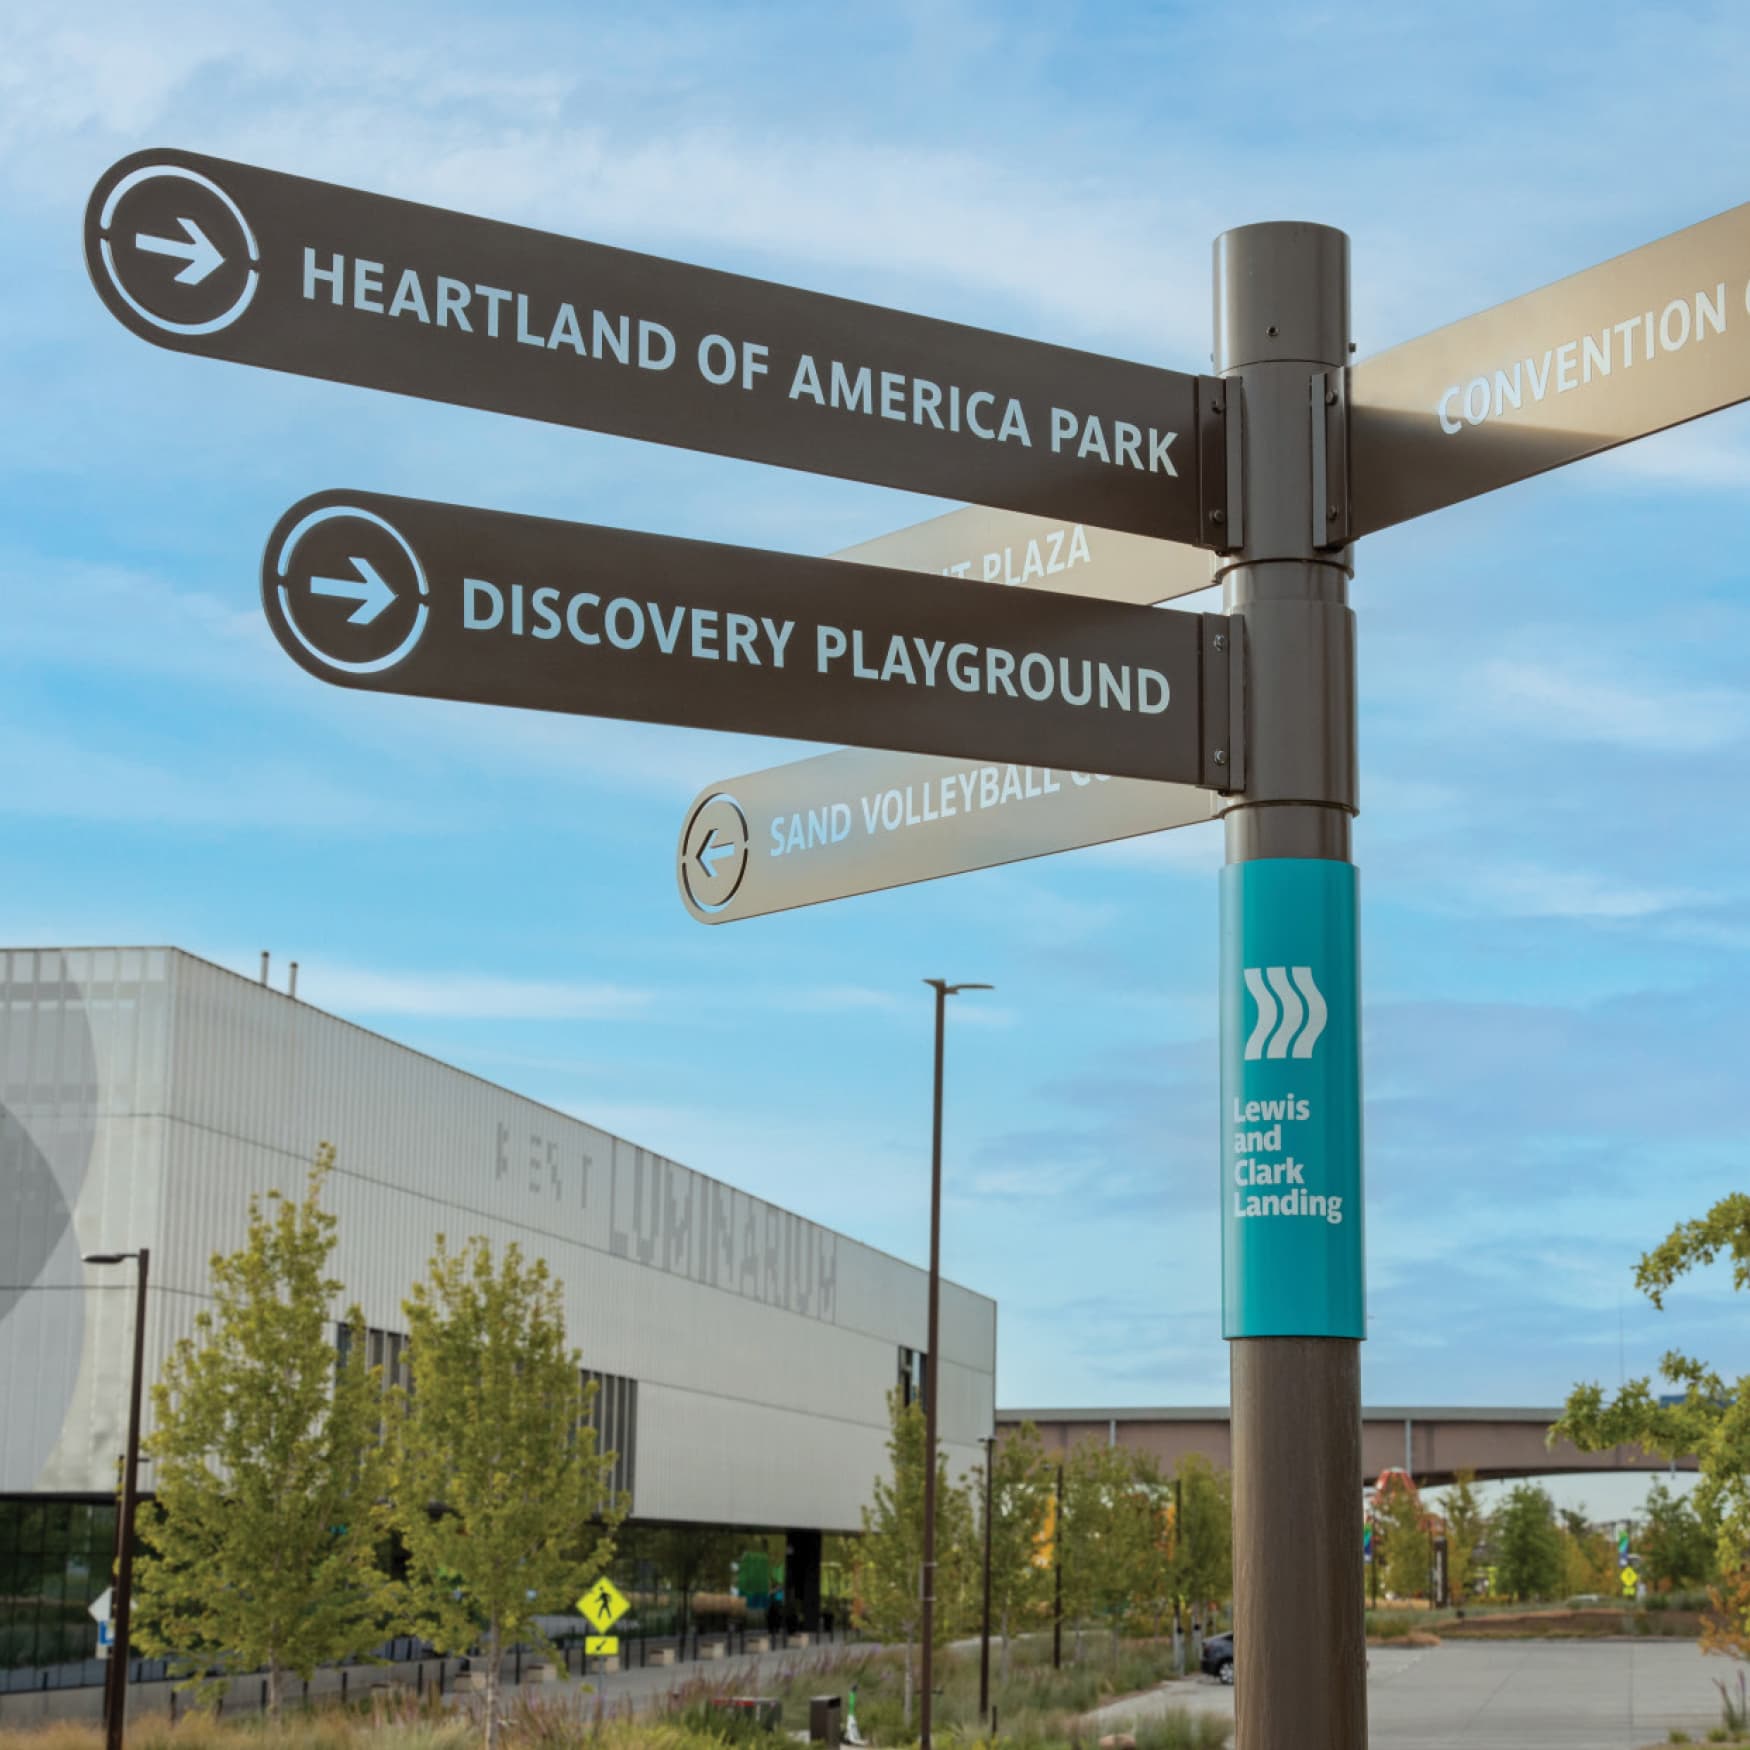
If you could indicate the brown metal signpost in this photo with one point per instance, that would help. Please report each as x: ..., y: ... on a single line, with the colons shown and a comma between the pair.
x: 440, y: 601
x: 1049, y: 717
x: 203, y: 255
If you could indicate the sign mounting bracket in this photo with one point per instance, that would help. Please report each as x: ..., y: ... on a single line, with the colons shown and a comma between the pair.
x: 1221, y: 503
x: 1330, y: 459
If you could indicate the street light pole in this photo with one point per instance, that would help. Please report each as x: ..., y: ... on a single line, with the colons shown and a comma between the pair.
x: 990, y: 1454
x: 115, y: 1688
x: 943, y: 991
x: 1057, y: 1574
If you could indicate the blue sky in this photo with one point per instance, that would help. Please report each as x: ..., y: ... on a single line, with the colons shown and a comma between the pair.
x: 1555, y: 686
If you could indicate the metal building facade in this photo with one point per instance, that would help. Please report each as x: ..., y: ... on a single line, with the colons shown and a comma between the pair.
x: 145, y: 1095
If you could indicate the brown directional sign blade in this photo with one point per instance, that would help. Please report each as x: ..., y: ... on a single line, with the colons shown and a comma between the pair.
x: 402, y: 596
x: 240, y: 263
x: 1004, y: 546
x: 856, y: 822
x: 1651, y: 339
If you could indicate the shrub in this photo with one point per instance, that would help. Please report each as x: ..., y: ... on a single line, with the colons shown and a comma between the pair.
x: 1387, y: 1626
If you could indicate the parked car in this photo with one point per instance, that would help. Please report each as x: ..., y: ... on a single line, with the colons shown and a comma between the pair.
x: 1218, y: 1656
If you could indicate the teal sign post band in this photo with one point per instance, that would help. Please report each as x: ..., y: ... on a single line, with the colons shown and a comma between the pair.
x: 1291, y: 1100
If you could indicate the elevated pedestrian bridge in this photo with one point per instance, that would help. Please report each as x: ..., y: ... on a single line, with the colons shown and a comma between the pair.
x: 1432, y: 1444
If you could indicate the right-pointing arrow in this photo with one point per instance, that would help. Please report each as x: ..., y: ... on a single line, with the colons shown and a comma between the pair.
x: 368, y: 589
x: 195, y: 247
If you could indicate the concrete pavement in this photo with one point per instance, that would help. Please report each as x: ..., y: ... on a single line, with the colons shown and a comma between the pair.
x: 1507, y: 1695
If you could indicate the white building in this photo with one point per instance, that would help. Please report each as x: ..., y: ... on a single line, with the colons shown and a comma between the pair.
x: 145, y: 1095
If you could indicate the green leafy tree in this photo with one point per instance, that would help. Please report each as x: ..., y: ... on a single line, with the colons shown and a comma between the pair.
x: 1712, y: 1419
x: 503, y: 1501
x: 1114, y: 1500
x: 1203, y: 1543
x: 1588, y: 1556
x: 261, y: 1545
x: 1675, y: 1546
x: 1402, y: 1534
x: 1076, y: 1544
x: 1020, y: 1495
x: 1528, y: 1544
x: 890, y: 1574
x: 1154, y: 1580
x: 1466, y: 1527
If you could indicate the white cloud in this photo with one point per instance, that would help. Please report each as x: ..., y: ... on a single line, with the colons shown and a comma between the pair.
x: 1532, y: 891
x: 1196, y: 850
x: 1570, y: 704
x: 51, y: 776
x: 76, y: 613
x: 357, y: 990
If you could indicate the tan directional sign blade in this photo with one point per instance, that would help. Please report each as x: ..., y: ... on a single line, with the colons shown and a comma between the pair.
x: 801, y: 815
x: 856, y: 822
x: 240, y: 263
x: 1651, y: 339
x: 603, y: 1604
x: 437, y: 600
x: 1000, y: 546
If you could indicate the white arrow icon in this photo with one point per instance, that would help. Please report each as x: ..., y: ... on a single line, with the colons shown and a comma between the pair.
x: 373, y: 595
x: 711, y: 853
x: 197, y: 251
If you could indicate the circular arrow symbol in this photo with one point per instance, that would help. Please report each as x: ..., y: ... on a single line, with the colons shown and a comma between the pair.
x: 177, y: 249
x: 348, y: 587
x: 714, y: 848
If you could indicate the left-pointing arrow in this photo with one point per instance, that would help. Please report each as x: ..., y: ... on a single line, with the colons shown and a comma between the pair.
x: 368, y: 589
x: 194, y: 247
x: 711, y: 853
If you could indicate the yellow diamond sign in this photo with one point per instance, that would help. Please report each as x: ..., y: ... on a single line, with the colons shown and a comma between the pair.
x: 1630, y: 1580
x: 603, y: 1604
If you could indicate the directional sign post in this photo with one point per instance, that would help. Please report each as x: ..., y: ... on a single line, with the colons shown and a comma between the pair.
x: 239, y: 263
x: 1042, y: 716
x: 402, y: 596
x: 1291, y: 1071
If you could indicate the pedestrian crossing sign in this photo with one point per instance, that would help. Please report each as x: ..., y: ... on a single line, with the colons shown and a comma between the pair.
x: 603, y: 1604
